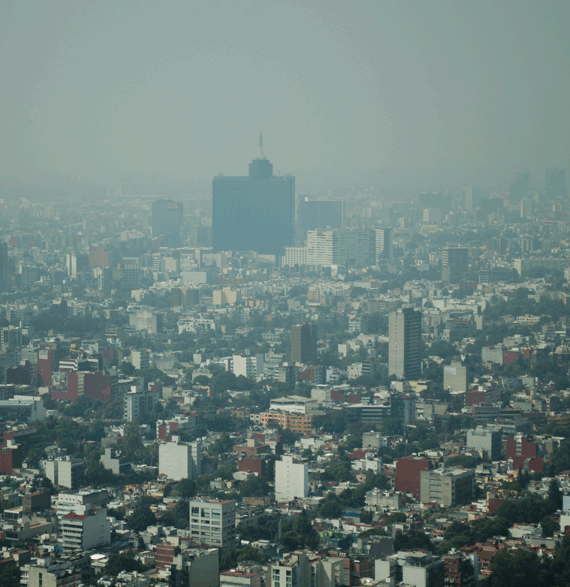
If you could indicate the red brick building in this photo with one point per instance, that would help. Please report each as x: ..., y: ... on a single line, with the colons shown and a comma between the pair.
x: 408, y: 474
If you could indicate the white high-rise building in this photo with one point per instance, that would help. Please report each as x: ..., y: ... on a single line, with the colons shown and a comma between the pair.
x: 248, y: 365
x: 347, y: 247
x: 179, y: 460
x: 85, y: 528
x: 65, y: 471
x: 291, y: 479
x: 294, y: 256
x: 140, y: 360
x: 213, y: 522
x: 384, y: 246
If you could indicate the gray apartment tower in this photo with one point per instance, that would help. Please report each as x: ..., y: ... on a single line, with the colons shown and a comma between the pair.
x: 255, y: 212
x: 3, y: 267
x: 404, y: 347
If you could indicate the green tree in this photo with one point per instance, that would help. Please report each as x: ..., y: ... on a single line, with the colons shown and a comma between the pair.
x: 141, y: 518
x: 330, y: 508
x: 413, y: 539
x: 513, y: 569
x: 187, y: 488
x: 123, y: 561
x: 34, y: 456
x: 177, y: 516
x: 555, y: 495
x: 221, y: 445
x: 232, y: 557
x: 298, y: 532
x: 254, y: 487
x: 9, y: 575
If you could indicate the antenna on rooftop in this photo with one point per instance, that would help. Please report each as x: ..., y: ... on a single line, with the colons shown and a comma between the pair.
x: 260, y: 154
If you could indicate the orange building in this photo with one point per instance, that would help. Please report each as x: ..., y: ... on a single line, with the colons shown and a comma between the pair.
x: 300, y: 423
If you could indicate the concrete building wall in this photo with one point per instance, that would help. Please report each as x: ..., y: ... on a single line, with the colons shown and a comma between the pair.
x: 291, y: 479
x: 179, y: 460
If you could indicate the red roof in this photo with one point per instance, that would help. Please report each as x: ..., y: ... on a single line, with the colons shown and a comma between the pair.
x: 74, y: 516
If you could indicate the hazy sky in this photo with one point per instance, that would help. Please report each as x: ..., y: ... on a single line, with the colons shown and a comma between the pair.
x: 96, y: 91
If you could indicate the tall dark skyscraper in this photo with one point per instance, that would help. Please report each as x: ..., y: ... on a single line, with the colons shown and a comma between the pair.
x: 253, y: 213
x: 555, y: 184
x: 167, y: 217
x: 304, y: 343
x: 520, y: 187
x: 3, y: 267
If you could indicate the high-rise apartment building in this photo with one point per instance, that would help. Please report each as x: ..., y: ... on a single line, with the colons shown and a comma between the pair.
x: 346, y: 247
x: 77, y: 264
x: 213, y: 522
x: 141, y: 360
x: 404, y: 347
x: 179, y: 460
x: 384, y: 245
x: 304, y: 343
x: 3, y: 267
x: 65, y: 471
x: 85, y: 528
x: 487, y: 440
x: 255, y: 212
x: 291, y: 479
x: 555, y: 184
x: 10, y: 339
x: 167, y: 218
x: 455, y: 261
x: 139, y: 403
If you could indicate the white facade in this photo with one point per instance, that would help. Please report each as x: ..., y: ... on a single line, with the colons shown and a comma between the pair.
x: 294, y: 256
x: 68, y: 502
x: 293, y: 404
x: 291, y: 479
x: 65, y: 471
x: 213, y: 522
x: 140, y: 360
x: 23, y: 407
x: 384, y: 246
x: 244, y: 365
x: 352, y: 247
x: 87, y: 529
x: 179, y: 460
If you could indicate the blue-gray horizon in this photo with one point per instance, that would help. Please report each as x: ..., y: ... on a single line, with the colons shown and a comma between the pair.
x: 176, y: 92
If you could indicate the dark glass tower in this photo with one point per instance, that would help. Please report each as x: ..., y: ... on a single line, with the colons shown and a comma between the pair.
x: 255, y: 212
x: 167, y: 216
x: 304, y: 343
x: 555, y: 184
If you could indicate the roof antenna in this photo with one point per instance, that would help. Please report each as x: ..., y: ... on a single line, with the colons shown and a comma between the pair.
x: 260, y: 154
